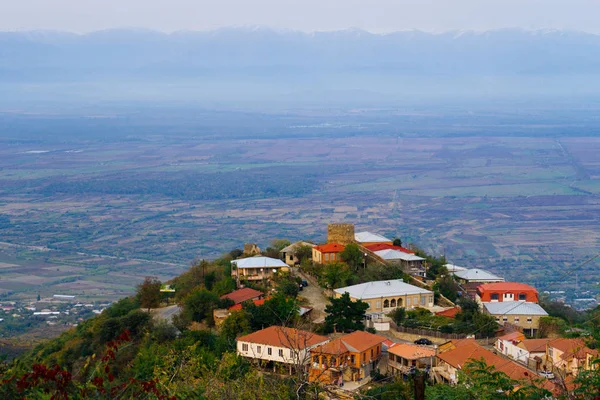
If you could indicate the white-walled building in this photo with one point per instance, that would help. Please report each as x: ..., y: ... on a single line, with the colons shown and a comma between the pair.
x: 280, y: 345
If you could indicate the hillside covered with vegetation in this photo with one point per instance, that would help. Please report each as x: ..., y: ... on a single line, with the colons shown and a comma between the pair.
x: 128, y: 352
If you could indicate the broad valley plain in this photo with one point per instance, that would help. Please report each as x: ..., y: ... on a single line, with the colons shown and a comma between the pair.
x: 92, y: 202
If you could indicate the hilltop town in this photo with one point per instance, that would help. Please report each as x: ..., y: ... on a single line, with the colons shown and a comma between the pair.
x: 350, y: 317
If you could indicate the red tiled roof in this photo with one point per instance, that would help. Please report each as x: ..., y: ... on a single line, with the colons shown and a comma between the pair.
x: 238, y: 306
x: 242, y: 295
x: 330, y: 248
x: 504, y: 286
x: 450, y: 313
x: 385, y: 246
x: 513, y: 336
x: 280, y: 336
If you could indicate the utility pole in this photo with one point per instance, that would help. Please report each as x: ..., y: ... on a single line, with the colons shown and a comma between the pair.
x: 419, y: 385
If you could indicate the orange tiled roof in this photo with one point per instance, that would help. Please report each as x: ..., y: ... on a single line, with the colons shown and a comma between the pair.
x: 335, y: 347
x: 242, y: 295
x: 449, y: 313
x: 238, y: 306
x: 411, y: 351
x: 330, y: 248
x: 503, y: 286
x: 361, y: 341
x: 280, y: 336
x: 355, y: 342
x: 571, y: 348
x: 471, y: 351
x: 513, y: 336
x: 534, y: 345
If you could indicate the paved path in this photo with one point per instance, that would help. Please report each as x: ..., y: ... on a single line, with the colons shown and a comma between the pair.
x: 314, y: 294
x: 166, y: 313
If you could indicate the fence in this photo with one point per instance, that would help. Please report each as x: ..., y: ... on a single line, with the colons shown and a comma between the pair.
x: 431, y: 333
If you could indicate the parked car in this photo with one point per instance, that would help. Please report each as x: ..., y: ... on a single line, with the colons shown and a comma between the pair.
x: 305, y: 283
x: 547, y: 374
x: 424, y: 341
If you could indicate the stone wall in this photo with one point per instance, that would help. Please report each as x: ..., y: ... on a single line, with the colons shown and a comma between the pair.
x: 340, y: 233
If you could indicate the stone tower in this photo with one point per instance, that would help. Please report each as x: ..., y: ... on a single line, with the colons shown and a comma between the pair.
x: 340, y: 233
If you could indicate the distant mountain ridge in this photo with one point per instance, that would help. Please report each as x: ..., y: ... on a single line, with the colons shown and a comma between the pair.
x: 132, y: 51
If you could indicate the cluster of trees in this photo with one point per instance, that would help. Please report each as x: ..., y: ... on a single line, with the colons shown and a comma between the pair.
x: 469, y: 320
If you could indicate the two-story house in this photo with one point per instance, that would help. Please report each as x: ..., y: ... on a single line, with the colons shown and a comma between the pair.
x: 328, y: 253
x: 351, y: 357
x: 507, y: 291
x: 404, y: 358
x: 279, y: 346
x: 568, y: 356
x: 257, y: 268
x: 507, y: 344
x: 521, y: 314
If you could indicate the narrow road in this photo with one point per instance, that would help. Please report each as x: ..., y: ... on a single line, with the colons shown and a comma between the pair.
x: 165, y: 313
x: 314, y: 294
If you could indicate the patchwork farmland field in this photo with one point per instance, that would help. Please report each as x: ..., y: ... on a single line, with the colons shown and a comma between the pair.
x: 94, y: 213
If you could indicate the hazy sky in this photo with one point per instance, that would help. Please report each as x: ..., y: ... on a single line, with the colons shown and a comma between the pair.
x: 306, y: 15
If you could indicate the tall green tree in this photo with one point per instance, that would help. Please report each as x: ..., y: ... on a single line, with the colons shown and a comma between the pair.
x: 303, y: 252
x: 148, y: 293
x: 352, y: 256
x: 199, y: 304
x: 335, y: 275
x: 448, y: 287
x: 345, y: 315
x: 238, y: 323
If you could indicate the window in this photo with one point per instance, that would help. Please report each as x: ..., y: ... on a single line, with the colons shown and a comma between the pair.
x: 371, y: 353
x: 497, y: 319
x: 431, y: 299
x: 316, y: 359
x: 244, y: 346
x: 258, y: 349
x: 378, y: 304
x: 494, y: 296
x: 505, y: 319
x: 522, y: 296
x: 364, y: 357
x: 352, y: 359
x: 269, y: 351
x: 326, y: 256
x: 408, y: 302
x: 529, y: 319
x: 517, y: 319
x: 422, y: 300
x: 393, y: 303
x: 280, y: 352
x: 386, y: 303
